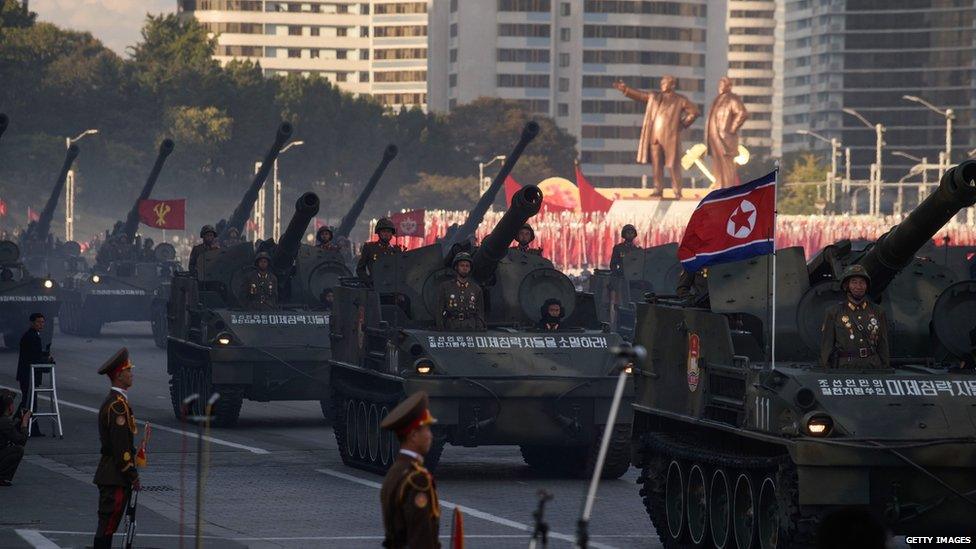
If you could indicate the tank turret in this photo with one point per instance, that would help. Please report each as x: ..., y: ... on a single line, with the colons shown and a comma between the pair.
x: 287, y: 249
x: 477, y: 214
x: 131, y: 225
x: 238, y: 219
x: 349, y: 220
x: 525, y: 204
x: 39, y: 229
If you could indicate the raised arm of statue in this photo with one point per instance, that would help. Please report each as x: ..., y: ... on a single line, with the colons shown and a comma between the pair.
x: 636, y: 95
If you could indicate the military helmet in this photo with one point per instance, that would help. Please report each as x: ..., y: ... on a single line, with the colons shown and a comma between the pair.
x: 852, y: 271
x: 628, y: 227
x: 462, y: 256
x: 384, y: 223
x: 260, y: 256
x: 323, y: 229
x: 207, y: 229
x: 529, y: 228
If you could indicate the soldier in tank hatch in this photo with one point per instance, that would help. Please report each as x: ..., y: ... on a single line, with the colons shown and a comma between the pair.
x: 854, y: 332
x: 209, y: 236
x: 372, y: 251
x: 525, y: 236
x: 324, y: 239
x: 261, y: 286
x: 551, y: 315
x: 461, y: 301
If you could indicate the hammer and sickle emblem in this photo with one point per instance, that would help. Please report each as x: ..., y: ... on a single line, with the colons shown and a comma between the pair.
x: 161, y: 210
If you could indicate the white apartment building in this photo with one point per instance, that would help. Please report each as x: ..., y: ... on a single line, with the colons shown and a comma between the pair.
x: 560, y: 58
x: 752, y: 27
x: 374, y: 47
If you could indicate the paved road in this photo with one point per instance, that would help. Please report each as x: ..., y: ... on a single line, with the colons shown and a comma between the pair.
x: 275, y: 480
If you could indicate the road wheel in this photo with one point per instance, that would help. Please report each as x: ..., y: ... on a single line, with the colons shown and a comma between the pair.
x: 178, y: 392
x: 744, y: 512
x: 160, y: 324
x: 719, y: 509
x: 227, y: 410
x: 674, y: 501
x: 340, y: 425
x: 696, y: 497
x: 618, y: 453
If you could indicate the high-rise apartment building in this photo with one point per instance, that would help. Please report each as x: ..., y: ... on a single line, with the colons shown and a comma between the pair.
x: 866, y: 55
x: 560, y: 58
x: 373, y: 47
x: 751, y: 27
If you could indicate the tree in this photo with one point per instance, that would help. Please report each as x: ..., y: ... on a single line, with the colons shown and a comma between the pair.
x: 795, y: 198
x: 13, y: 14
x: 447, y: 192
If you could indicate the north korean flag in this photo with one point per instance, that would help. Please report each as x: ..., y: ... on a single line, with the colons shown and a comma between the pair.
x: 730, y: 225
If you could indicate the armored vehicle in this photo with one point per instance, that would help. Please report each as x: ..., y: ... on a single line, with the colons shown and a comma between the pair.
x: 216, y: 344
x: 42, y: 254
x: 22, y: 294
x: 505, y: 385
x: 121, y: 284
x: 741, y: 445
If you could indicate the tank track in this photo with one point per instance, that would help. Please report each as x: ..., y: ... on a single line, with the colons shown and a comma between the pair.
x: 578, y: 462
x: 187, y: 381
x: 796, y: 528
x: 356, y: 415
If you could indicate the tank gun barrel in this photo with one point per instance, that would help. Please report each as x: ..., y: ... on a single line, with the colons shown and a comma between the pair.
x: 477, y: 214
x: 132, y: 219
x: 238, y: 219
x: 284, y: 254
x: 42, y: 226
x: 349, y: 220
x: 896, y: 248
x: 525, y: 204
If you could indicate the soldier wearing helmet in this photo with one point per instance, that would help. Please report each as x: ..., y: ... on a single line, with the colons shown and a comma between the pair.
x: 261, y: 286
x: 461, y: 301
x: 371, y: 251
x: 623, y: 249
x: 854, y: 334
x: 324, y: 239
x: 523, y: 238
x: 209, y: 236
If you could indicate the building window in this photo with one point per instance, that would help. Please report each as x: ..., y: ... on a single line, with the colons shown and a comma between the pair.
x: 523, y: 80
x: 454, y: 6
x: 364, y: 54
x: 294, y: 53
x: 341, y: 76
x: 563, y: 59
x: 528, y: 30
x: 535, y: 105
x: 521, y: 55
x: 452, y: 80
x: 452, y: 55
x: 313, y: 53
x: 562, y: 109
x: 564, y: 84
x: 341, y: 31
x: 400, y: 31
x: 400, y: 76
x: 402, y: 53
x: 314, y: 31
x: 524, y: 5
x: 654, y: 8
x: 294, y: 30
x: 342, y: 54
x: 453, y: 29
x: 401, y: 7
x: 644, y: 33
x: 564, y: 35
x: 603, y: 57
x: 364, y: 32
x: 364, y: 76
x: 565, y: 9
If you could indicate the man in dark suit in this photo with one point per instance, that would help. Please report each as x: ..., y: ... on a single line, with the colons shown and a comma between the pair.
x: 31, y: 352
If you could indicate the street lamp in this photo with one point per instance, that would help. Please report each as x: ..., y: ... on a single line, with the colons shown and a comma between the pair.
x: 482, y: 184
x: 834, y: 146
x: 949, y: 116
x: 879, y: 143
x: 69, y: 193
x: 276, y: 214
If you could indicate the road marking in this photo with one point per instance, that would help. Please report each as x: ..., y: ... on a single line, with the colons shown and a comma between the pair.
x: 37, y: 539
x: 38, y: 534
x: 464, y: 509
x: 229, y: 444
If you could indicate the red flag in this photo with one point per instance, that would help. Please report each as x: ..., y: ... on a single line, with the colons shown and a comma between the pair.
x: 409, y: 223
x: 590, y: 200
x: 3, y: 208
x: 32, y: 215
x: 250, y: 225
x: 731, y: 224
x: 457, y: 530
x: 511, y: 187
x: 163, y: 214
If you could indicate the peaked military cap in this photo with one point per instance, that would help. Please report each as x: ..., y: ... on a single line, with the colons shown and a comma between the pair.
x: 852, y: 271
x: 409, y: 415
x: 118, y: 362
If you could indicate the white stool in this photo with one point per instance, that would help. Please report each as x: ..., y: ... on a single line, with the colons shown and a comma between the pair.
x: 55, y: 410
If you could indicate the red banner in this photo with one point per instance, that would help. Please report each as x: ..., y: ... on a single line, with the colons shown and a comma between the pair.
x: 3, y: 208
x: 590, y: 200
x: 32, y: 215
x: 409, y: 223
x: 163, y: 214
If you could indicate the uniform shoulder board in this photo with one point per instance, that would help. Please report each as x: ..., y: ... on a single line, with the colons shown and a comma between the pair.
x: 120, y: 407
x: 419, y: 479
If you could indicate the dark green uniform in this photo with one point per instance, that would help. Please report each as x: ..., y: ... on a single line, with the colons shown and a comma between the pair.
x: 854, y: 336
x: 372, y: 251
x: 261, y: 291
x: 524, y: 248
x: 411, y: 512
x: 117, y: 467
x: 462, y: 306
x: 620, y: 251
x: 195, y: 254
x: 692, y: 287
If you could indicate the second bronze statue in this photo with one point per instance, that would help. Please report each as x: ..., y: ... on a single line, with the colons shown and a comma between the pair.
x: 725, y: 117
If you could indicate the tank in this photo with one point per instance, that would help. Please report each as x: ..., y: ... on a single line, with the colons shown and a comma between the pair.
x: 508, y: 385
x: 42, y: 253
x: 738, y: 450
x: 214, y: 344
x: 126, y: 275
x: 22, y: 294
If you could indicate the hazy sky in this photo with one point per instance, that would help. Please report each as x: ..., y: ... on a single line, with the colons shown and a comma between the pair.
x: 115, y: 22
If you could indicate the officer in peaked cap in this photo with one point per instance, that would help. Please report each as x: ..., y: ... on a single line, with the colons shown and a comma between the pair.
x: 461, y: 301
x: 411, y: 512
x: 372, y: 251
x: 261, y: 286
x: 209, y: 236
x: 116, y: 475
x: 854, y: 334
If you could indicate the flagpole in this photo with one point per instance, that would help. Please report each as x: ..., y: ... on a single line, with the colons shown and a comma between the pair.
x: 772, y: 330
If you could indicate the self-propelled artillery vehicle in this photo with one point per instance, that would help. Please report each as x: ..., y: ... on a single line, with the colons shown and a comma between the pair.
x: 121, y: 284
x: 508, y: 384
x: 741, y: 445
x: 216, y: 344
x: 22, y: 294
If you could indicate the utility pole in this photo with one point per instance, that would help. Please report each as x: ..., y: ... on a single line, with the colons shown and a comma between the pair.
x: 69, y: 197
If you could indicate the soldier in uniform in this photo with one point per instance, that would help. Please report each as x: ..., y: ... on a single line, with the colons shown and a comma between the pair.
x: 232, y: 237
x: 525, y: 237
x: 261, y: 286
x: 854, y: 332
x: 323, y: 239
x: 552, y: 314
x: 116, y: 475
x: 693, y: 287
x: 408, y: 498
x: 209, y: 236
x: 372, y: 251
x: 460, y: 301
x: 623, y: 249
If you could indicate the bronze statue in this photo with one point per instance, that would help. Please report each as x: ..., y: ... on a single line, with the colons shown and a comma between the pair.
x: 667, y: 113
x: 722, y: 132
